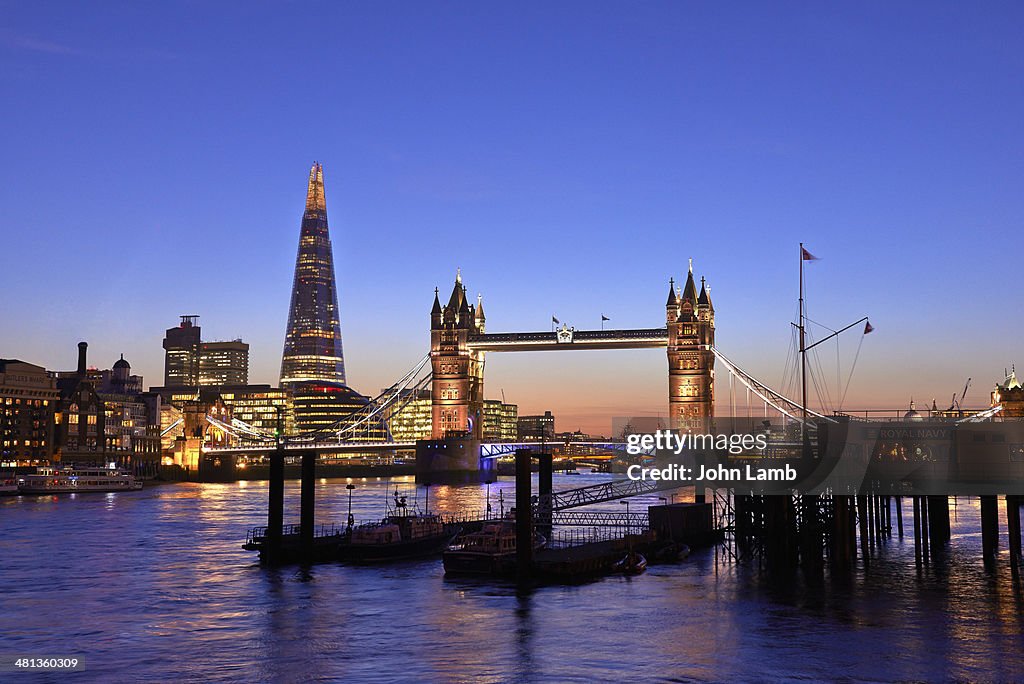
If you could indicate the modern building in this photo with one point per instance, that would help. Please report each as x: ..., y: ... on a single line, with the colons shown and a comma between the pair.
x: 410, y: 421
x: 312, y: 346
x: 28, y: 397
x: 329, y: 407
x: 261, y: 406
x: 181, y: 357
x: 501, y: 421
x: 224, y: 363
x: 536, y: 428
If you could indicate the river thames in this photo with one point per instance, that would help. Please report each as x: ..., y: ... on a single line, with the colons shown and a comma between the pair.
x: 154, y: 586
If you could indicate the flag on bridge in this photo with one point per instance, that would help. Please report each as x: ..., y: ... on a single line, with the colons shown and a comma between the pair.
x: 555, y: 320
x: 807, y: 256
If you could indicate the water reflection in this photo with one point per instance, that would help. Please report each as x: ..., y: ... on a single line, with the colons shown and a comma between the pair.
x: 153, y: 585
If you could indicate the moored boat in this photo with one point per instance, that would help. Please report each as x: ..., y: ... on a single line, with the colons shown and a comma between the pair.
x: 71, y: 479
x: 403, y: 533
x: 8, y: 484
x: 631, y: 564
x: 491, y: 551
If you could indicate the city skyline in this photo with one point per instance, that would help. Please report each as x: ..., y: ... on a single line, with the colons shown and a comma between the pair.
x: 685, y: 137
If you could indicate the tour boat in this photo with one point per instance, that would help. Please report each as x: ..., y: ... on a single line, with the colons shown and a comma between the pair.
x: 401, y: 534
x: 491, y: 551
x: 50, y: 480
x: 8, y: 484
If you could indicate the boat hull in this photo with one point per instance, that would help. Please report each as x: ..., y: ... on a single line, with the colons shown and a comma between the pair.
x: 377, y: 553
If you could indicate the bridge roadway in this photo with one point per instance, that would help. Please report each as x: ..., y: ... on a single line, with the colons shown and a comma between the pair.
x: 566, y: 339
x: 488, y: 450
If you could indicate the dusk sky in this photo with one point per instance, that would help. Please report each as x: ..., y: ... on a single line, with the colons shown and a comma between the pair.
x: 568, y: 158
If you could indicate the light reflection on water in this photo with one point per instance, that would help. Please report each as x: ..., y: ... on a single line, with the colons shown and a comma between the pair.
x: 154, y: 586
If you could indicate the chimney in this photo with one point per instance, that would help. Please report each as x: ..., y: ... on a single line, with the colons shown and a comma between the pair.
x: 82, y: 346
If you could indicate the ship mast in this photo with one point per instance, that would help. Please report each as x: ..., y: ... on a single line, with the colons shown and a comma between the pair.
x: 803, y: 354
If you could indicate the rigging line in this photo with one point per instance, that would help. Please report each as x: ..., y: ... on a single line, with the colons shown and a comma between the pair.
x: 823, y: 378
x: 852, y: 368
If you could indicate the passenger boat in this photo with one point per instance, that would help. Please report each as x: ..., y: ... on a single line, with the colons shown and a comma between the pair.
x: 491, y: 551
x: 402, y: 534
x: 8, y: 484
x: 50, y: 480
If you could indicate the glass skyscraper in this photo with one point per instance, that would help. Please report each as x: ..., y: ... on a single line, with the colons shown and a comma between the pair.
x: 312, y: 345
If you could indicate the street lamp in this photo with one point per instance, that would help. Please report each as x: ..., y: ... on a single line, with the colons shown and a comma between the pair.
x: 629, y: 526
x: 351, y: 520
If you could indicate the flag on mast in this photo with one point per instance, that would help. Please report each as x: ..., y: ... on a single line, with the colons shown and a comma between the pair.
x: 555, y: 320
x: 868, y: 328
x: 807, y: 256
x: 605, y: 318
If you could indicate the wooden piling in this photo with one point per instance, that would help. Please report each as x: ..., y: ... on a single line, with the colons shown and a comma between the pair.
x: 1013, y: 529
x: 524, y: 516
x: 989, y: 528
x: 275, y: 505
x: 307, y: 504
x: 899, y: 514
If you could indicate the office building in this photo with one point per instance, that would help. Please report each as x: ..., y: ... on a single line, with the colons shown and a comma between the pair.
x: 224, y: 363
x: 28, y: 397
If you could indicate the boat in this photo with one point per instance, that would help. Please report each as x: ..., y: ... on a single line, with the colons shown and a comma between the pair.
x: 8, y: 484
x: 491, y: 551
x: 402, y: 534
x: 72, y: 479
x: 631, y: 564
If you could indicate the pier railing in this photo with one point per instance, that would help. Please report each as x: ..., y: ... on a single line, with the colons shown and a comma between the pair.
x: 257, y: 535
x: 565, y: 539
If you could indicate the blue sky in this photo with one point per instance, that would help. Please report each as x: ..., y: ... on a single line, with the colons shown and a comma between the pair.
x: 569, y: 158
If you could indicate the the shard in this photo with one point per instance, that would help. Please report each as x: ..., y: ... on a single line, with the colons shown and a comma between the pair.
x: 312, y: 345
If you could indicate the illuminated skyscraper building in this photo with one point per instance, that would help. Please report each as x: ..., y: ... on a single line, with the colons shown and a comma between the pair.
x: 312, y: 346
x: 224, y: 363
x: 181, y: 363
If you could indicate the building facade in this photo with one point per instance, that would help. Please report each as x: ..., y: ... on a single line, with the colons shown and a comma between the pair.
x: 536, y: 428
x: 312, y: 347
x: 28, y: 399
x: 181, y: 353
x: 224, y: 363
x: 501, y: 421
x: 690, y: 319
x: 80, y: 419
x: 458, y: 371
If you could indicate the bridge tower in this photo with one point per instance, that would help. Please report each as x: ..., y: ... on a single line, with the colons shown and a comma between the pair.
x: 457, y: 388
x: 690, y: 319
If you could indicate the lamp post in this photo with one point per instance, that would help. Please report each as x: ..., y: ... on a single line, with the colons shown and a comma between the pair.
x: 351, y: 520
x: 629, y: 526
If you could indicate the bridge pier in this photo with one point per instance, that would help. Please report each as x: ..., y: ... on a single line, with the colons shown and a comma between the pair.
x: 452, y: 460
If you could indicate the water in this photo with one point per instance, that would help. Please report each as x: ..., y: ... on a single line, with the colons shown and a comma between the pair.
x: 154, y: 586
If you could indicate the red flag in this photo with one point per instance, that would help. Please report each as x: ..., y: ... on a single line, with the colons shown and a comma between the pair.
x: 868, y: 328
x: 807, y: 256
